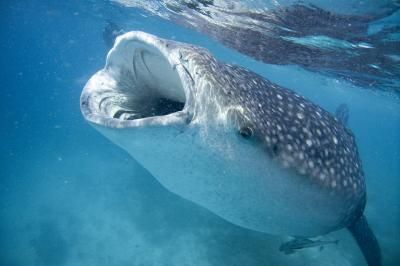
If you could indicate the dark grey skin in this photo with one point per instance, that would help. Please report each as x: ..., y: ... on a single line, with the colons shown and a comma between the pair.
x: 254, y: 153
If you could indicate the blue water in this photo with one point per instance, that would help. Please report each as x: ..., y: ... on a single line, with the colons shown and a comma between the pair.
x: 70, y: 197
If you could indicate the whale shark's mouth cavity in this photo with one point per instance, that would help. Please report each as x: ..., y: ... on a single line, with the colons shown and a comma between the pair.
x: 138, y: 82
x: 150, y: 88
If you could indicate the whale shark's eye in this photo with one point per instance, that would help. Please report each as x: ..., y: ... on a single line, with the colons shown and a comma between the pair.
x: 246, y: 132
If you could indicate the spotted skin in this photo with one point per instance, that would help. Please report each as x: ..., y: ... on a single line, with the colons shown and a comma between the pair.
x: 294, y: 131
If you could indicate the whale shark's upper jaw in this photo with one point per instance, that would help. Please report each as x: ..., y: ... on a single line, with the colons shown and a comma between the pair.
x: 143, y: 83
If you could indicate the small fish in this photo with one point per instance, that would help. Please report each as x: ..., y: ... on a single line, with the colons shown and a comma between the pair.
x: 110, y: 33
x: 299, y: 243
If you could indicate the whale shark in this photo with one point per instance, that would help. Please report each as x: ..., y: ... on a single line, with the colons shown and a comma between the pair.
x: 252, y: 152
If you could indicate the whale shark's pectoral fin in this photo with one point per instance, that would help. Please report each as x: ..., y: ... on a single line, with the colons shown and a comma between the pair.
x: 367, y: 241
x: 342, y: 113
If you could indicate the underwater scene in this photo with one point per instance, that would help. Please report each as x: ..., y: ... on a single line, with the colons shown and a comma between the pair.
x: 209, y: 132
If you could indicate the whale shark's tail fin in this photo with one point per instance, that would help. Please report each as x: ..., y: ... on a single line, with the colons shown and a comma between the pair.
x: 367, y: 241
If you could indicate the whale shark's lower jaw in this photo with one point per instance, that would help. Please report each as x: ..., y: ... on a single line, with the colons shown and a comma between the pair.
x: 139, y: 85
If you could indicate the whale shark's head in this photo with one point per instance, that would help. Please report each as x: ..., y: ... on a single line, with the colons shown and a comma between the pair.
x: 252, y: 152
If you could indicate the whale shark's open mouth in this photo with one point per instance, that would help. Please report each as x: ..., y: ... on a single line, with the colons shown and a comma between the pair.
x: 150, y: 88
x: 138, y: 82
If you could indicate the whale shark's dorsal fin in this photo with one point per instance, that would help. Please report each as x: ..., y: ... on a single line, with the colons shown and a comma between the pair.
x: 367, y: 241
x: 342, y: 113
